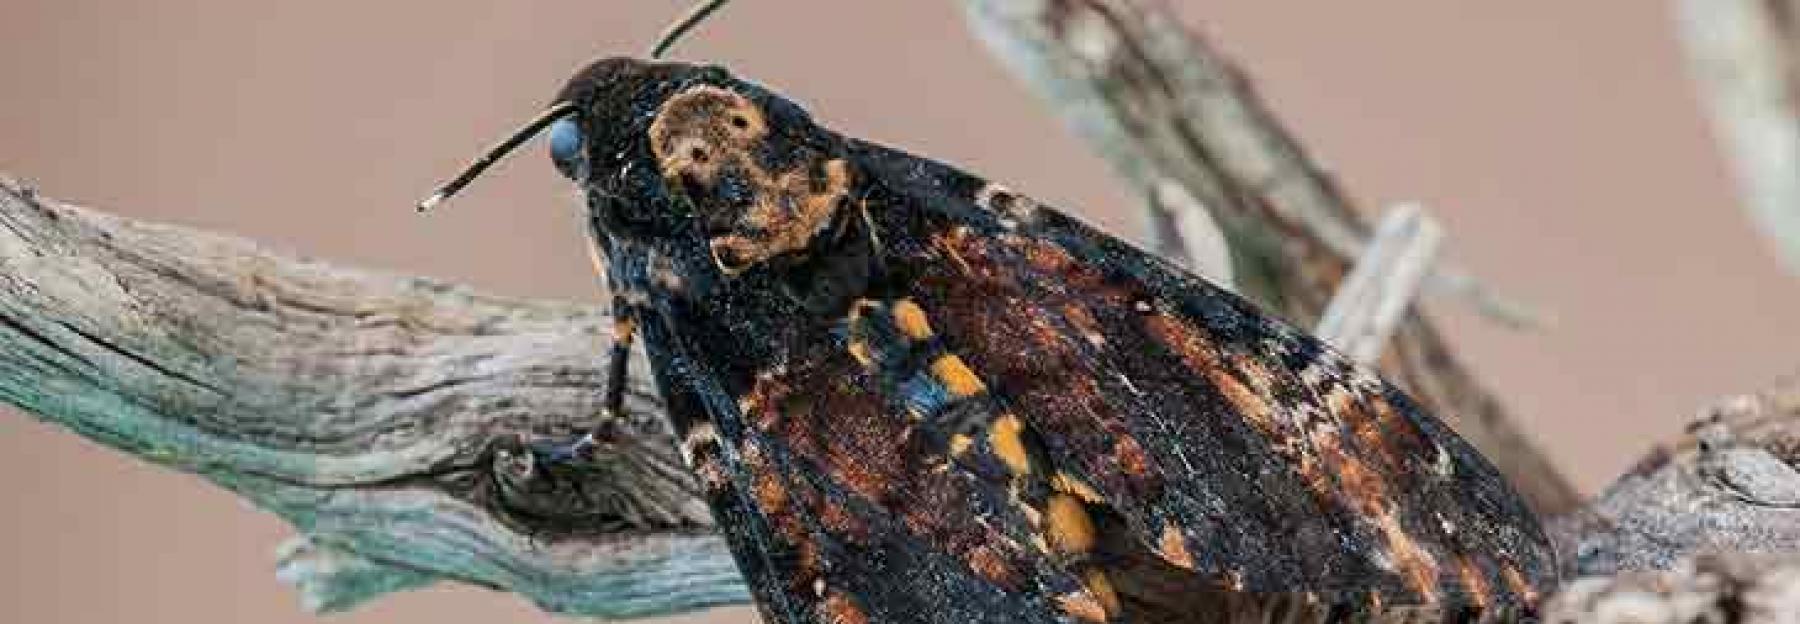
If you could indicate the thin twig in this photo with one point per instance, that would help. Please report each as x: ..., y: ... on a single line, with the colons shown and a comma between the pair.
x: 1188, y: 233
x: 1362, y: 317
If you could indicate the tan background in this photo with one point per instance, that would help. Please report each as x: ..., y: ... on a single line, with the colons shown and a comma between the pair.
x: 1558, y: 141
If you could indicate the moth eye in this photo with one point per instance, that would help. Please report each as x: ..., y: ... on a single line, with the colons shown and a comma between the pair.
x: 739, y: 122
x: 566, y: 149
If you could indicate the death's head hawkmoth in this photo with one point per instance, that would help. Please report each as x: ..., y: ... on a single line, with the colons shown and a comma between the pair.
x: 913, y: 395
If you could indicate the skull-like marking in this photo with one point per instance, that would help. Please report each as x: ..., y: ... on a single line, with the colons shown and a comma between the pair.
x: 701, y: 130
x: 706, y: 142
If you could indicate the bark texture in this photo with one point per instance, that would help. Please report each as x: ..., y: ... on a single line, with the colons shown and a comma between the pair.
x: 1730, y: 484
x: 1705, y: 529
x: 389, y: 418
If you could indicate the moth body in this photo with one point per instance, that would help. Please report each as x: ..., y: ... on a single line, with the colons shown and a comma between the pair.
x: 916, y: 396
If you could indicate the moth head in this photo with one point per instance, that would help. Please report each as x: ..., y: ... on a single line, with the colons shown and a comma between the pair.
x: 596, y: 123
x: 569, y: 142
x: 679, y: 152
x: 673, y: 150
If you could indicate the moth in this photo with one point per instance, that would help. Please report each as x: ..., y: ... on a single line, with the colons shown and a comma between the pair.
x: 914, y: 395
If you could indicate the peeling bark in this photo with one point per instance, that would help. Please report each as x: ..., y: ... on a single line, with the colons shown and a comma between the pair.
x: 388, y: 418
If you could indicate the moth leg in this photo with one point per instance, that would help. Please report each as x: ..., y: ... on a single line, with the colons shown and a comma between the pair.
x: 612, y: 402
x: 618, y: 363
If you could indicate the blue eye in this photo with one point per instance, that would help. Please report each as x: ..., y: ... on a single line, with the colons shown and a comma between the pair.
x: 566, y: 149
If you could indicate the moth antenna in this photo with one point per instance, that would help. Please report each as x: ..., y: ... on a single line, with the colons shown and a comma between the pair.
x: 681, y: 27
x: 494, y: 154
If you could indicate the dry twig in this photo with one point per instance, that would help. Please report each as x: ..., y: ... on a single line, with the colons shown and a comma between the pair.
x: 1363, y: 314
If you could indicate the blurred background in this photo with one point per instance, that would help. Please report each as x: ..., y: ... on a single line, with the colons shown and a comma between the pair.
x: 1561, y: 145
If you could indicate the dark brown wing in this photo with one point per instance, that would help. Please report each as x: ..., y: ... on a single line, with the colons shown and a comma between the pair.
x: 1219, y: 440
x: 916, y: 397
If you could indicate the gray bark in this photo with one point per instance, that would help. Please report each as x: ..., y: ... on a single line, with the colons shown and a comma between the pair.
x: 1730, y: 484
x: 379, y: 414
x: 1706, y: 529
x: 1363, y: 314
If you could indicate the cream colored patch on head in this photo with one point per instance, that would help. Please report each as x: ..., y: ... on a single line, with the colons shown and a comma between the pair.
x: 697, y: 130
x: 707, y: 134
x: 788, y: 210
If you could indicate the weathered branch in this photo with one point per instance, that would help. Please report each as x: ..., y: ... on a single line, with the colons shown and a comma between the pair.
x: 1729, y: 485
x: 385, y: 417
x: 1736, y: 589
x: 1704, y: 530
x: 1363, y: 314
x: 1745, y: 54
x: 1186, y: 233
x: 331, y: 579
x: 1162, y: 105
